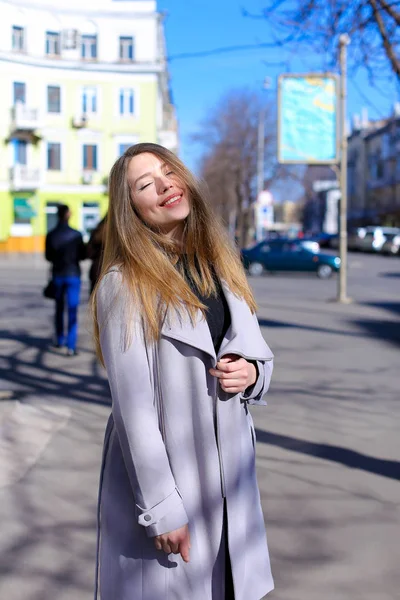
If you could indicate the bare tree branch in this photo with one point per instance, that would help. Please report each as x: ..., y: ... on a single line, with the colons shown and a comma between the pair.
x: 229, y: 137
x: 373, y: 26
x: 389, y: 9
x: 394, y: 61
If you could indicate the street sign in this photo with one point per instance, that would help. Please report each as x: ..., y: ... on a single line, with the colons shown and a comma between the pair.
x: 308, y: 126
x: 265, y: 197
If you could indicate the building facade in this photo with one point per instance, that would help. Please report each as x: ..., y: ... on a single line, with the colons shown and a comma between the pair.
x: 374, y: 172
x: 80, y: 84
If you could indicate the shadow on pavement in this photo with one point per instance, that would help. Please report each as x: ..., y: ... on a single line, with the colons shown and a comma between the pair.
x: 344, y: 456
x: 286, y: 324
x: 392, y: 274
x: 386, y: 330
x: 31, y: 368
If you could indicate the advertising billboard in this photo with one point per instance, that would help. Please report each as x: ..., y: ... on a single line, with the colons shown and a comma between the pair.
x: 308, y: 124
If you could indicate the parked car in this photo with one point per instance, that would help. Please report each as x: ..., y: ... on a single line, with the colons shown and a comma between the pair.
x: 392, y: 244
x: 354, y: 238
x: 326, y: 240
x: 371, y: 238
x: 289, y: 255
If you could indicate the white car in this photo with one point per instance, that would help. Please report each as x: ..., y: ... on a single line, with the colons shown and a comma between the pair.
x: 392, y: 244
x: 372, y: 239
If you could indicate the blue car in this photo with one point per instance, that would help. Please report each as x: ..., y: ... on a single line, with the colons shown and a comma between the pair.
x: 289, y: 255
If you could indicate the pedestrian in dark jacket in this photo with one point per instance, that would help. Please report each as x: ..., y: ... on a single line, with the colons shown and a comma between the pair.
x: 65, y: 249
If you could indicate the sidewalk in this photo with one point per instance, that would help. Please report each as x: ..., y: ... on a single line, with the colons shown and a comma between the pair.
x: 327, y: 450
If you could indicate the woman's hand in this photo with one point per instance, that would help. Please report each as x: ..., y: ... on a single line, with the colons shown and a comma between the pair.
x: 175, y: 542
x: 235, y: 374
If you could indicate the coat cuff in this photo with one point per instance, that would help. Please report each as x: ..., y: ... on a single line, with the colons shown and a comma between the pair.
x: 253, y: 394
x: 167, y: 515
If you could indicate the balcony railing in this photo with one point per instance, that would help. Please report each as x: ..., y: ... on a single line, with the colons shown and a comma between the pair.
x: 25, y: 118
x: 23, y: 177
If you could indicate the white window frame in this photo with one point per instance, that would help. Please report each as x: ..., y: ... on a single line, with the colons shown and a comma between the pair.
x: 62, y: 98
x: 124, y: 139
x: 13, y: 103
x: 53, y: 37
x: 87, y: 43
x: 135, y: 113
x: 51, y: 141
x: 20, y: 32
x: 125, y: 41
x: 89, y: 111
x: 89, y: 142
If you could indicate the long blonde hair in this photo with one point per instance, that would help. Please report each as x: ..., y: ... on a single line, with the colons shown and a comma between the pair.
x: 146, y: 258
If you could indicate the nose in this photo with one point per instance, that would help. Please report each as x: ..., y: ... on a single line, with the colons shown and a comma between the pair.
x: 164, y: 184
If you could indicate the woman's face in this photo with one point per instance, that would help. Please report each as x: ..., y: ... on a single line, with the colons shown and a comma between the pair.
x: 158, y: 196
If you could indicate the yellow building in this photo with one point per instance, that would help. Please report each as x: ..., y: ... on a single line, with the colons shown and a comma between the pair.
x: 79, y: 85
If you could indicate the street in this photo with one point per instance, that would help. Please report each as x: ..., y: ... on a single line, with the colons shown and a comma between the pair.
x: 328, y: 442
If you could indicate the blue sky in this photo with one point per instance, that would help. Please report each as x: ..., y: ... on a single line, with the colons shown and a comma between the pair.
x: 198, y: 83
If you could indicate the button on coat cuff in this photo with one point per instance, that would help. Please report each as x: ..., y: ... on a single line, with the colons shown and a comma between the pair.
x: 166, y: 516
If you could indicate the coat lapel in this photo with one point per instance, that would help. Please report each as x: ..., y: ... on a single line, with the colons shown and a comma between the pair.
x: 243, y: 336
x: 197, y: 335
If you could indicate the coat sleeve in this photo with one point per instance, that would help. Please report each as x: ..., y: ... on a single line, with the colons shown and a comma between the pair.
x: 159, y: 504
x: 255, y: 393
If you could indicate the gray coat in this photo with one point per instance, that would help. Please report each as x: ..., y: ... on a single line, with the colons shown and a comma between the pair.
x: 150, y: 487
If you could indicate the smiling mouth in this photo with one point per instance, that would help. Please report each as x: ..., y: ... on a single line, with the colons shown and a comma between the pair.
x: 171, y: 201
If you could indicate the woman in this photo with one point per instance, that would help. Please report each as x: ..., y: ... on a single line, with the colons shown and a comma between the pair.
x: 180, y: 512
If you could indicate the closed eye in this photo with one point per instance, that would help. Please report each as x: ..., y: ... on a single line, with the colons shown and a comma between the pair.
x: 144, y: 187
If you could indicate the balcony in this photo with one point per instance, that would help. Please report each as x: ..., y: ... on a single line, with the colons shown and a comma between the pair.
x: 79, y: 121
x: 25, y: 118
x: 23, y: 177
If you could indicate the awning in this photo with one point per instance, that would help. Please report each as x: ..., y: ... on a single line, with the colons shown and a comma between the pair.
x: 23, y: 209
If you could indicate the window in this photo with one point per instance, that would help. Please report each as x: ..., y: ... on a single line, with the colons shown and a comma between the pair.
x: 385, y: 146
x: 54, y: 156
x: 20, y: 152
x: 23, y: 212
x: 89, y: 100
x: 90, y: 157
x: 126, y: 48
x: 53, y: 99
x: 126, y: 102
x: 89, y: 47
x: 122, y: 148
x: 18, y: 38
x: 19, y: 92
x: 51, y: 214
x: 53, y: 43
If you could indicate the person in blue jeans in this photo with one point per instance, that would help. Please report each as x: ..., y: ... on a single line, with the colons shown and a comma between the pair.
x: 65, y: 249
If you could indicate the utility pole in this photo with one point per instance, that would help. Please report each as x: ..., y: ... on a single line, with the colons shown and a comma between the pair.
x: 342, y: 297
x: 261, y: 152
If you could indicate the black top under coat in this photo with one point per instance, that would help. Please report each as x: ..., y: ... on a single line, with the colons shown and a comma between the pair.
x: 217, y: 313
